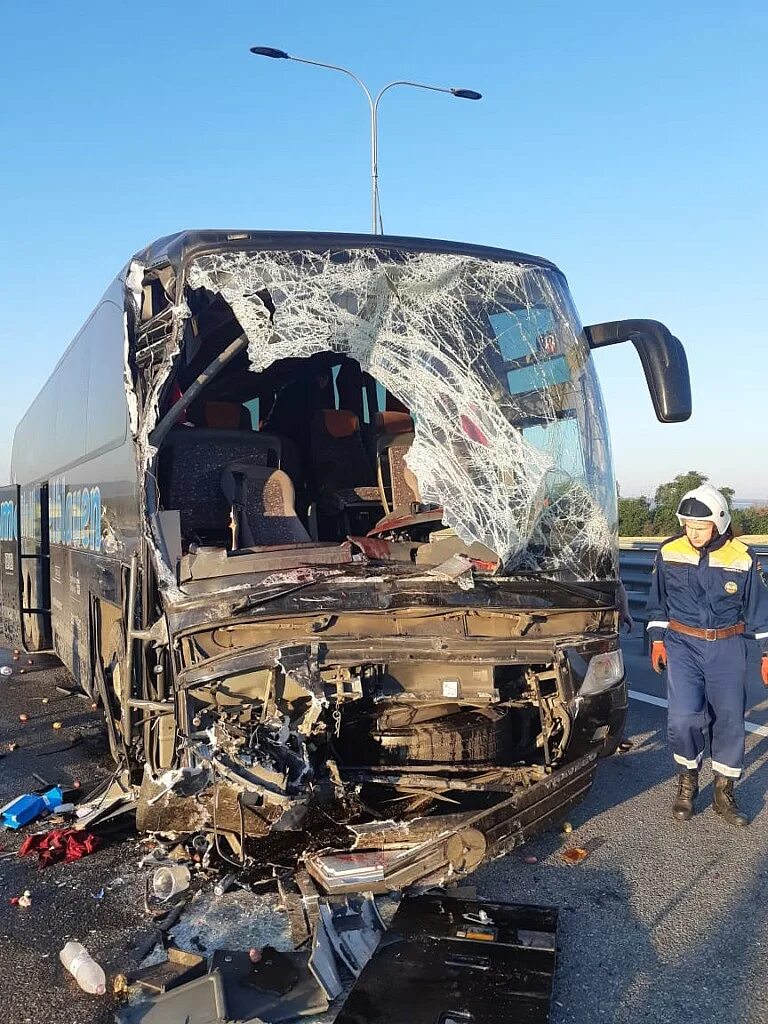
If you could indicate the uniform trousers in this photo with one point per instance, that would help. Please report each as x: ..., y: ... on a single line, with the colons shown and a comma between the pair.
x: 706, y: 682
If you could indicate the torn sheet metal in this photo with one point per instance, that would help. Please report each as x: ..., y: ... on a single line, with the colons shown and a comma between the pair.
x: 161, y: 810
x: 354, y: 929
x: 488, y: 357
x: 456, y: 569
x: 300, y: 664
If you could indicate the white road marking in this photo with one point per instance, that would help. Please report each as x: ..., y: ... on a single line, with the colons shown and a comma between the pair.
x: 659, y: 702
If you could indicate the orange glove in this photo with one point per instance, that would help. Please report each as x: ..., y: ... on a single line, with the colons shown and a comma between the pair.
x: 764, y: 669
x: 659, y: 657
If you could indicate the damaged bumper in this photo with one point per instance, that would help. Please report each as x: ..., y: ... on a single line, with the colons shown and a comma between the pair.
x: 454, y: 851
x: 381, y: 763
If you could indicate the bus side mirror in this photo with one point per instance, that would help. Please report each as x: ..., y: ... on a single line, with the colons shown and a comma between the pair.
x: 663, y: 358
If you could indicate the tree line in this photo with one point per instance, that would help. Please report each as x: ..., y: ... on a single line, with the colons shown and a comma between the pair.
x: 643, y: 517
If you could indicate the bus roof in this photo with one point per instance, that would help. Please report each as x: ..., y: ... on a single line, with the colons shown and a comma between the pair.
x: 176, y: 249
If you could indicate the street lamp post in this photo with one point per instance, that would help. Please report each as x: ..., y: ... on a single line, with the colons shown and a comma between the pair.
x: 373, y: 103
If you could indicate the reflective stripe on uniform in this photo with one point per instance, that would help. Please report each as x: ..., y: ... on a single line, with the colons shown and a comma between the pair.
x: 734, y: 555
x: 680, y: 550
x: 724, y: 769
x: 689, y: 764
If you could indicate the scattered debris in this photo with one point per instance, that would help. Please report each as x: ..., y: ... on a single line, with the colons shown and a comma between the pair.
x: 120, y: 985
x: 625, y: 745
x: 25, y: 900
x: 169, y: 881
x: 530, y: 859
x: 438, y: 957
x: 58, y: 725
x: 567, y: 827
x: 225, y: 884
x: 179, y: 968
x: 354, y: 929
x: 6, y: 670
x: 83, y: 968
x: 64, y: 844
x: 198, y: 1002
x: 30, y: 806
x: 23, y: 717
x: 574, y: 854
x: 457, y: 569
x: 111, y: 801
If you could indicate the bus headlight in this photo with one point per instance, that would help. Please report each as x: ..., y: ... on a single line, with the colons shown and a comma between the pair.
x: 603, y: 671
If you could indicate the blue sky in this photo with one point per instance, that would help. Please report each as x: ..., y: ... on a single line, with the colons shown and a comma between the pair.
x: 626, y: 143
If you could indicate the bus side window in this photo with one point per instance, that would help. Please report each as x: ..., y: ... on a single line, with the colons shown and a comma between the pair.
x: 107, y: 420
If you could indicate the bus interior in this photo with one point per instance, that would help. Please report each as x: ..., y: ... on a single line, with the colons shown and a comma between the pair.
x: 305, y: 461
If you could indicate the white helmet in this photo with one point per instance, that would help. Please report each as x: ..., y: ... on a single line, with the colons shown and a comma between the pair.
x: 707, y: 505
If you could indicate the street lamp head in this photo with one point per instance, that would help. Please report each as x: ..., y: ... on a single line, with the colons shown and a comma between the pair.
x: 467, y: 94
x: 270, y: 51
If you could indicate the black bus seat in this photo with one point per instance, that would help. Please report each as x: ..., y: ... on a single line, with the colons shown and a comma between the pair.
x: 263, y: 500
x: 344, y: 476
x: 342, y: 470
x: 193, y: 459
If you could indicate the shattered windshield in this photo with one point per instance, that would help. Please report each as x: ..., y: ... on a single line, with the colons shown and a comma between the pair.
x: 510, y: 437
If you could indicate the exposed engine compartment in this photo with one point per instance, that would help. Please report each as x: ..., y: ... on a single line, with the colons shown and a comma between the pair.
x: 402, y: 751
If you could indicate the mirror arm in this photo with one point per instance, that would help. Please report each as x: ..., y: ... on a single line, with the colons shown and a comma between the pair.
x: 662, y: 357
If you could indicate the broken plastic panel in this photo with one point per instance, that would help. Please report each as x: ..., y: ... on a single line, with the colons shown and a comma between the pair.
x: 460, y: 961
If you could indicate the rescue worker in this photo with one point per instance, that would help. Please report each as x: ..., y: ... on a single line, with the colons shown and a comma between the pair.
x: 707, y: 594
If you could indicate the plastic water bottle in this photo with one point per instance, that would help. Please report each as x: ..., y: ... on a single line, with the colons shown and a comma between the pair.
x: 83, y: 968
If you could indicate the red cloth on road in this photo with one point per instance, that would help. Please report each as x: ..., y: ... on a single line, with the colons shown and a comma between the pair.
x: 65, y: 844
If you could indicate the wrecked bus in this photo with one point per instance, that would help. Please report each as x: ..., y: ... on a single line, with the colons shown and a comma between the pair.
x: 328, y: 520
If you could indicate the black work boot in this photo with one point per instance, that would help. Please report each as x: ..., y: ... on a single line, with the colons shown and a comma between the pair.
x: 687, y: 791
x: 724, y: 802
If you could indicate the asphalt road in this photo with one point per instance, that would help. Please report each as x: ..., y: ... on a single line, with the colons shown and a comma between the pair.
x: 664, y: 921
x: 33, y: 985
x: 661, y: 922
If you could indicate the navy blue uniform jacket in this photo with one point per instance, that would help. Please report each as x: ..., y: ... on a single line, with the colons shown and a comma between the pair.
x: 711, y: 588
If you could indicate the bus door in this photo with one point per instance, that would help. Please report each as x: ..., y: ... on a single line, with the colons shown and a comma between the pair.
x: 10, y: 567
x: 35, y: 558
x: 25, y: 566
